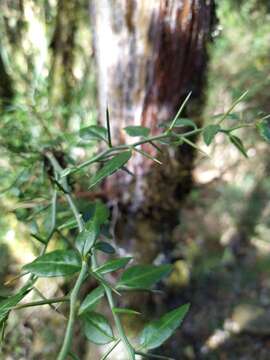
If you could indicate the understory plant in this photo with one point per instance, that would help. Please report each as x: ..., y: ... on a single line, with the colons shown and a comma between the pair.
x: 82, y: 236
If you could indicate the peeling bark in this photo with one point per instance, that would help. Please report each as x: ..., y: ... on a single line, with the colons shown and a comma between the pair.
x: 150, y: 54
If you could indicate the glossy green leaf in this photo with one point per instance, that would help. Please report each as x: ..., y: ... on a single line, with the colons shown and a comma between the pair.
x: 125, y: 311
x: 93, y: 132
x: 137, y: 131
x: 209, y: 132
x: 143, y: 276
x: 105, y: 247
x: 113, y: 265
x: 97, y: 328
x: 91, y: 300
x: 87, y: 238
x: 55, y: 263
x: 264, y: 129
x: 158, y: 331
x: 237, y: 142
x: 111, y: 167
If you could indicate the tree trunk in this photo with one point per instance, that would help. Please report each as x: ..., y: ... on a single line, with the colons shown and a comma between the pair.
x: 150, y: 55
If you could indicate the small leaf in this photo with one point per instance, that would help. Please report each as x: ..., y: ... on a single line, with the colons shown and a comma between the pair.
x: 91, y: 300
x: 93, y: 132
x: 180, y: 122
x: 69, y: 224
x: 97, y: 328
x: 237, y: 142
x: 7, y: 304
x: 55, y: 263
x: 137, y: 131
x: 230, y: 116
x: 210, y: 132
x: 87, y: 238
x: 110, y: 167
x: 125, y: 311
x: 143, y: 276
x: 185, y: 122
x: 105, y: 247
x: 264, y: 129
x: 158, y: 331
x: 113, y: 265
x: 101, y: 213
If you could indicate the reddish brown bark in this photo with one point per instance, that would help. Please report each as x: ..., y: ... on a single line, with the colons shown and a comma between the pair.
x: 150, y: 54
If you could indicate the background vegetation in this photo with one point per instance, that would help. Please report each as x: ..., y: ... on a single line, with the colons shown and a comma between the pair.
x: 221, y: 252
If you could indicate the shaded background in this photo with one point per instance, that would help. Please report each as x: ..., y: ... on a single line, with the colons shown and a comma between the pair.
x: 60, y: 64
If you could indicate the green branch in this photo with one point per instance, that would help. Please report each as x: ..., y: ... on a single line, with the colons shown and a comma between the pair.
x: 41, y: 302
x: 72, y: 313
x: 129, y: 349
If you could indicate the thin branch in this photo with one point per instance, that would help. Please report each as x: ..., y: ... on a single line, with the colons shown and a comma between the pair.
x: 110, y: 350
x: 121, y: 332
x: 237, y: 101
x: 179, y: 111
x: 41, y: 302
x: 108, y: 127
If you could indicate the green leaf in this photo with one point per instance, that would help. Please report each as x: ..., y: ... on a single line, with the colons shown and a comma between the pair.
x: 143, y: 276
x: 7, y: 304
x: 264, y: 129
x: 55, y: 263
x: 91, y: 300
x: 113, y: 265
x: 93, y: 132
x: 237, y: 142
x: 111, y: 167
x: 158, y: 331
x: 137, y: 131
x: 185, y: 122
x: 230, y: 116
x: 124, y: 311
x: 97, y: 328
x: 105, y: 247
x: 101, y: 213
x: 210, y: 132
x: 69, y: 224
x: 87, y: 238
x: 180, y: 122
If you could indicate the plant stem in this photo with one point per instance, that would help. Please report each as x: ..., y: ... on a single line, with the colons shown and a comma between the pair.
x: 75, y: 291
x: 109, y: 151
x: 76, y: 213
x: 72, y: 313
x: 237, y: 101
x: 179, y: 111
x: 110, y: 350
x: 41, y: 302
x: 58, y: 169
x: 108, y: 127
x: 129, y: 349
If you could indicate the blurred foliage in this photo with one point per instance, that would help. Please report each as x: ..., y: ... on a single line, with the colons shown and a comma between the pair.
x: 50, y: 93
x: 240, y: 54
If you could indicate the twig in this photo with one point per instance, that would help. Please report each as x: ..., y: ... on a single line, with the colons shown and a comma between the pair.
x: 110, y: 350
x: 41, y: 302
